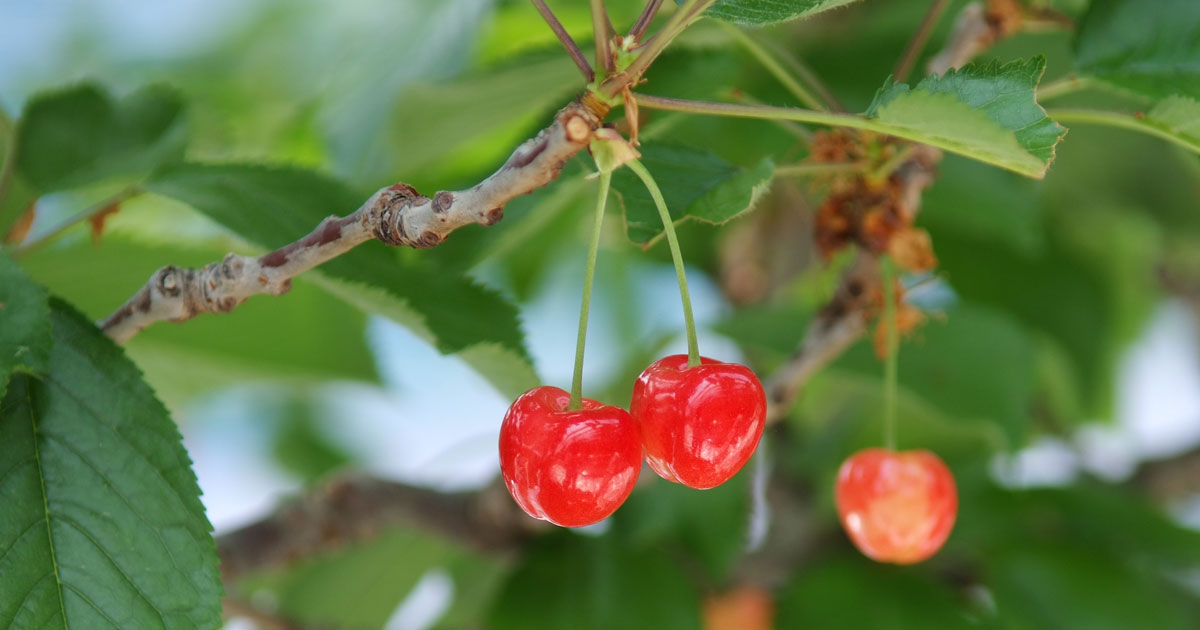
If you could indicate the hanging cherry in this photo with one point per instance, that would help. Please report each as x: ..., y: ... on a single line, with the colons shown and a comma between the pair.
x: 897, y: 507
x: 572, y: 467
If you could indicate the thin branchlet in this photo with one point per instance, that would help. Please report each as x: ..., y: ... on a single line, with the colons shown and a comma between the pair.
x: 602, y: 32
x: 565, y: 38
x: 644, y: 20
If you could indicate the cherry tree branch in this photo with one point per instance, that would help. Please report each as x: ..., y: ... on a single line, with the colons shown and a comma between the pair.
x: 396, y: 215
x: 844, y: 320
x: 353, y: 509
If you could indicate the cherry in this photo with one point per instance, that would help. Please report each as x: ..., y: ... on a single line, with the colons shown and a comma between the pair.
x: 569, y: 467
x: 699, y: 425
x: 896, y: 507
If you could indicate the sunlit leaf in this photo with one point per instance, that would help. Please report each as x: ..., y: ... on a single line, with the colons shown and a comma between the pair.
x: 81, y: 135
x: 695, y: 184
x: 983, y: 111
x: 1148, y: 47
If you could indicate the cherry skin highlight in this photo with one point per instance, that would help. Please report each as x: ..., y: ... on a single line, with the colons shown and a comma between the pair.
x: 572, y: 468
x: 699, y: 425
x: 896, y: 507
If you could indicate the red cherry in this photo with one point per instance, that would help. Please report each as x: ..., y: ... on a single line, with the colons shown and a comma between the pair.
x: 699, y: 425
x: 896, y: 507
x: 572, y: 468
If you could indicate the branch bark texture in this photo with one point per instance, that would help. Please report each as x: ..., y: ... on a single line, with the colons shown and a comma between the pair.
x: 397, y: 215
x: 353, y: 509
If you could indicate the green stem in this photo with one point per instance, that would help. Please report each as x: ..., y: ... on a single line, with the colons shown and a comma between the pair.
x: 820, y: 168
x: 589, y: 275
x: 762, y: 112
x: 801, y: 132
x: 887, y: 277
x: 1061, y: 87
x: 772, y: 65
x: 673, y: 241
x: 1122, y: 121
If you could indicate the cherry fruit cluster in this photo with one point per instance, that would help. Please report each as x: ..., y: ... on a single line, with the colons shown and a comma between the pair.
x: 697, y: 426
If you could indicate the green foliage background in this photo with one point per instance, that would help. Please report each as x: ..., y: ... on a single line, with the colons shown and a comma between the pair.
x: 246, y: 144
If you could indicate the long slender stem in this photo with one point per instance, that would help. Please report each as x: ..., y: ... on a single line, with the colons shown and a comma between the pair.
x: 1121, y: 121
x: 800, y: 131
x: 122, y: 196
x: 565, y: 38
x: 1061, y: 87
x: 689, y: 322
x: 819, y: 168
x: 772, y: 65
x: 920, y: 36
x: 643, y: 21
x: 589, y: 275
x: 762, y: 112
x: 887, y: 277
x: 602, y: 34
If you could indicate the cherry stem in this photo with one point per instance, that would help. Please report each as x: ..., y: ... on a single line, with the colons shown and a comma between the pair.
x: 887, y: 277
x: 676, y: 257
x: 589, y: 274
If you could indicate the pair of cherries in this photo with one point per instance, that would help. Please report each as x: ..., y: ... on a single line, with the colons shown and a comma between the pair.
x: 697, y: 426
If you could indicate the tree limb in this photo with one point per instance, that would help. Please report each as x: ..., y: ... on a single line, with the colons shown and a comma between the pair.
x: 396, y: 215
x: 844, y: 320
x: 353, y: 509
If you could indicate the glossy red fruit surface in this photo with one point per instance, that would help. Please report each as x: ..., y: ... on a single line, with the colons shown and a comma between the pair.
x: 572, y: 468
x: 896, y: 507
x: 699, y: 425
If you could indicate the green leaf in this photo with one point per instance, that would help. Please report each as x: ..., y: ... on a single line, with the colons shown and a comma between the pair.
x: 710, y: 526
x: 695, y: 184
x: 360, y: 586
x: 570, y: 581
x: 102, y: 524
x: 1176, y: 119
x: 983, y: 111
x: 24, y: 323
x: 1180, y: 116
x: 472, y: 123
x: 1068, y: 585
x: 976, y: 364
x: 982, y: 202
x: 81, y: 135
x: 1148, y: 47
x: 275, y: 206
x: 1088, y: 289
x: 761, y: 12
x: 852, y: 592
